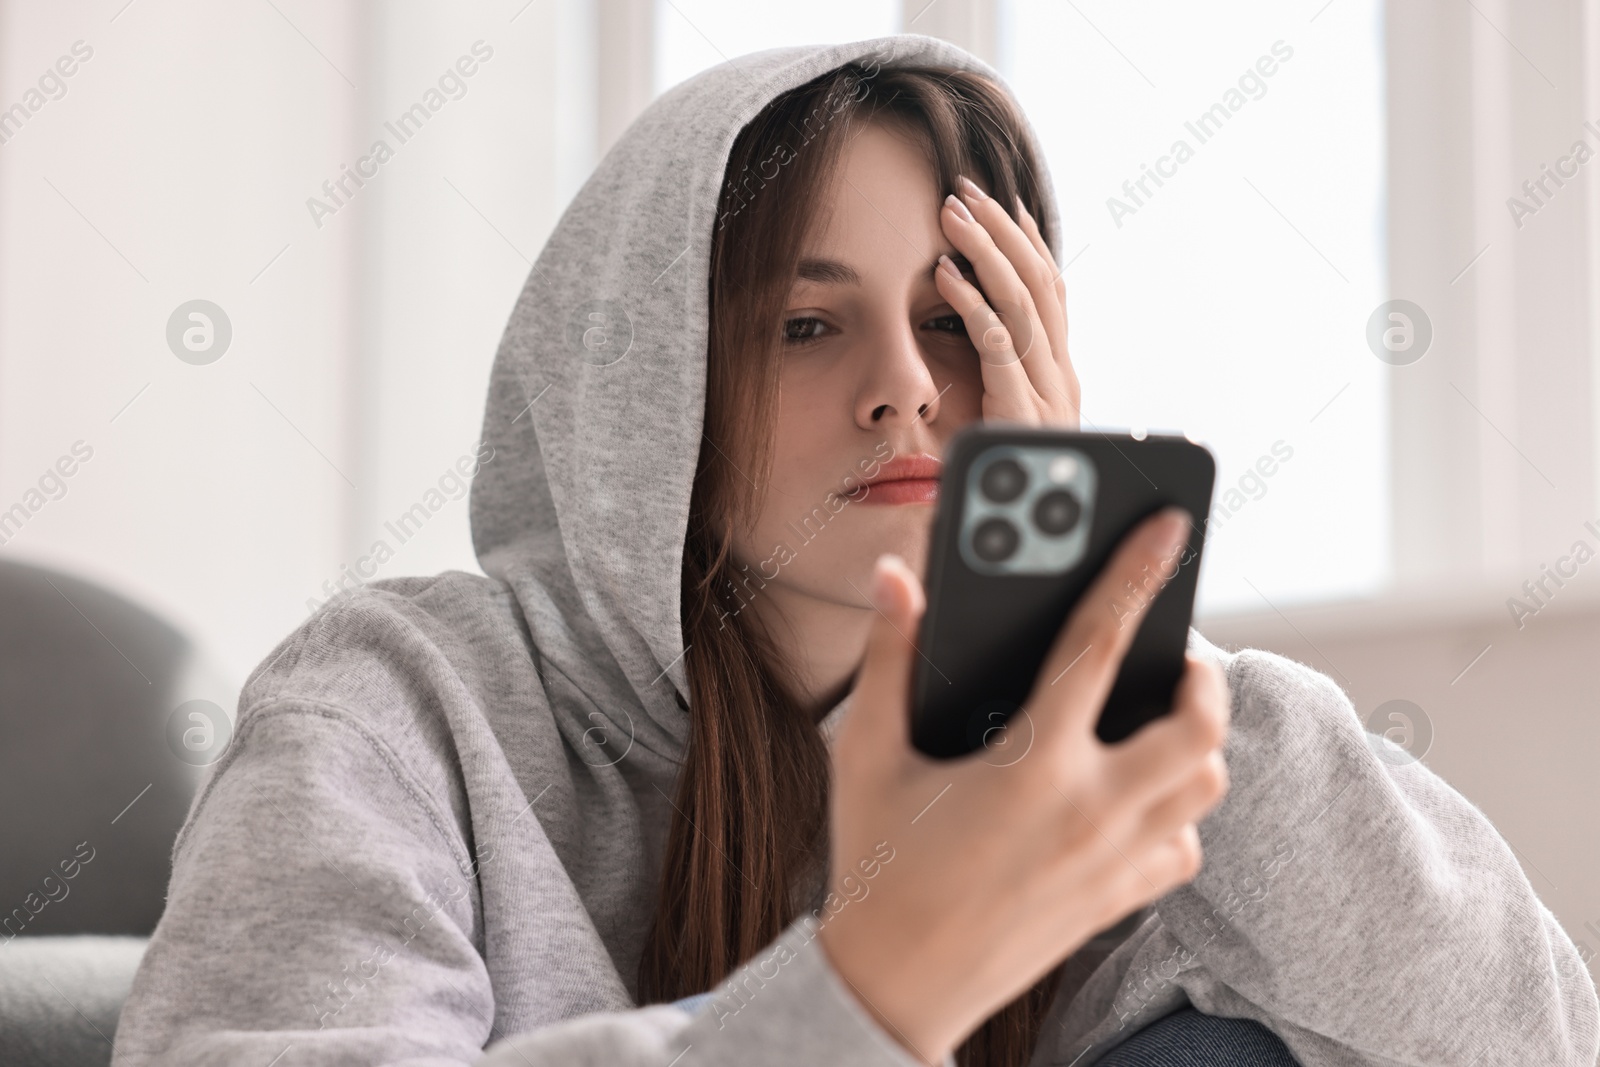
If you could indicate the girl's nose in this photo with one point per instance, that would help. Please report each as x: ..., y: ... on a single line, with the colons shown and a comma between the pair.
x: 897, y: 384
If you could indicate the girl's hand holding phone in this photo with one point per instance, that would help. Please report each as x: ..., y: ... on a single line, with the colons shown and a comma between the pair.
x: 1001, y: 871
x: 1020, y: 328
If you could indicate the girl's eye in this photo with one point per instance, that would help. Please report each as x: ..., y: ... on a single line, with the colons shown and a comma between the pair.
x: 948, y: 323
x: 801, y: 330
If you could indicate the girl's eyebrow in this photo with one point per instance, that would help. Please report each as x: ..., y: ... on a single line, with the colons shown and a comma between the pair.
x: 827, y: 271
x: 833, y: 272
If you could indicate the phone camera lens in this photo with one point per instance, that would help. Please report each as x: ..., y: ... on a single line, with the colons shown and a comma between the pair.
x: 1004, y: 480
x: 1057, y: 512
x: 995, y: 540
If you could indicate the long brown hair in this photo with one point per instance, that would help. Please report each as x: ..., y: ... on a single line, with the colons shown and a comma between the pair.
x: 749, y: 832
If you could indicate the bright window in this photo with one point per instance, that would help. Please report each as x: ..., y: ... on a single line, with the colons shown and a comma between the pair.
x: 692, y: 35
x: 1221, y: 175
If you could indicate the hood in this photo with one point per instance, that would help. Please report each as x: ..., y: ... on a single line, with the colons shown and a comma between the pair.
x: 598, y: 390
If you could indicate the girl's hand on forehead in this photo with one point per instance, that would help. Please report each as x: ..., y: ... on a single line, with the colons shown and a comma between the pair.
x: 1020, y: 327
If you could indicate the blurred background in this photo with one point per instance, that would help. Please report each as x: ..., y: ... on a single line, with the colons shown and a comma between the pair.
x: 1367, y: 280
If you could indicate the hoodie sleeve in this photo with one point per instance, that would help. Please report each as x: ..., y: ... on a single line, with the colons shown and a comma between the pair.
x: 787, y: 1006
x: 319, y: 913
x: 1352, y: 902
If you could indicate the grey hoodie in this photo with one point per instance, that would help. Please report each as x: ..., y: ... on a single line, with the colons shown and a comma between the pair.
x: 439, y: 826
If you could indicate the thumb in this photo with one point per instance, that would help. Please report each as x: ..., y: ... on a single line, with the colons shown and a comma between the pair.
x: 880, y: 702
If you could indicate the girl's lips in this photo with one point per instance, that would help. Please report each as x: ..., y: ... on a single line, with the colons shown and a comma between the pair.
x: 903, y: 491
x: 912, y: 479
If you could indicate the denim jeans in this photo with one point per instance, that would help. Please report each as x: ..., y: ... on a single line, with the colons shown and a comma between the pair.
x: 1189, y: 1039
x: 1182, y: 1039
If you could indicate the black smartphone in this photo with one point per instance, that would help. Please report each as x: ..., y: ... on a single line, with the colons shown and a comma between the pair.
x: 1027, y: 517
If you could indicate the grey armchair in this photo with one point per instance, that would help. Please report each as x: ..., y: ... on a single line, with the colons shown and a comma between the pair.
x: 93, y: 793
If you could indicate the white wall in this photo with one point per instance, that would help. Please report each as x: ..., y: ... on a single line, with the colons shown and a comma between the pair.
x: 448, y: 239
x: 178, y: 165
x: 1495, y: 429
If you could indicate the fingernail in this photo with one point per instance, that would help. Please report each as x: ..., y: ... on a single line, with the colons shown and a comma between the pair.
x: 970, y: 188
x: 948, y: 265
x: 1172, y: 530
x: 880, y: 580
x: 959, y: 208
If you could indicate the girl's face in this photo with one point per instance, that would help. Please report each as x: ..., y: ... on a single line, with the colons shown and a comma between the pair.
x: 879, y: 372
